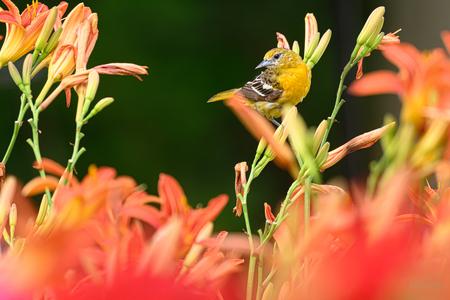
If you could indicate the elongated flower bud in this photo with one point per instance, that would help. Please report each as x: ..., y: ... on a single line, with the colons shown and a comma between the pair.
x: 318, y: 52
x: 311, y: 29
x: 15, y: 75
x: 318, y: 135
x: 371, y: 40
x: 12, y: 220
x: 99, y: 107
x: 92, y: 85
x: 47, y: 30
x: 26, y: 71
x: 311, y: 47
x: 371, y: 25
x: 53, y: 41
x: 322, y: 156
x: 42, y: 211
x: 296, y: 47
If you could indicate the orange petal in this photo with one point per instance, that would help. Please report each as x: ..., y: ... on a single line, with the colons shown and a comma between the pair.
x: 259, y: 127
x: 378, y: 82
x: 38, y: 185
x: 414, y: 218
x: 49, y: 166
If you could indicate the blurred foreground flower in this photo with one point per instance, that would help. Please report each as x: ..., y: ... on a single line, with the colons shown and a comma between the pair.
x: 103, y: 240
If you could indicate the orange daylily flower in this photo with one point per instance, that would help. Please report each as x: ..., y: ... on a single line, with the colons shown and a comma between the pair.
x: 23, y: 30
x: 63, y: 61
x: 422, y: 80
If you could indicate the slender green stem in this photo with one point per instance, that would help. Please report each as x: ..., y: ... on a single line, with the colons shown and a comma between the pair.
x: 17, y: 125
x: 307, y: 204
x: 339, y: 102
x: 35, y: 145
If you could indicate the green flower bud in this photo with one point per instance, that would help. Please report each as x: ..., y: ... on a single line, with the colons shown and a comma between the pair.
x: 15, y: 75
x: 318, y: 135
x: 93, y: 82
x: 318, y: 52
x: 296, y: 47
x: 26, y: 71
x: 99, y: 107
x: 322, y: 156
x: 47, y: 29
x: 311, y: 47
x: 42, y: 211
x: 371, y: 25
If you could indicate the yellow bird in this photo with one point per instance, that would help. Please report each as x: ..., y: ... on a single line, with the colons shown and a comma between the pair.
x: 287, y: 79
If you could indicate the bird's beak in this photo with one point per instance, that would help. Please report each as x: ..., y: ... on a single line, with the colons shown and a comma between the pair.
x: 264, y: 63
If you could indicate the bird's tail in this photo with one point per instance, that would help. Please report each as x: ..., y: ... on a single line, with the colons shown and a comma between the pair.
x: 223, y: 96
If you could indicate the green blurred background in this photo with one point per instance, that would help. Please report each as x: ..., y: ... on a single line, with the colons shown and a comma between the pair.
x: 195, y: 49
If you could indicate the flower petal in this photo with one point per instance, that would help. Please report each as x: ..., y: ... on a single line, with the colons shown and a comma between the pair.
x: 378, y: 82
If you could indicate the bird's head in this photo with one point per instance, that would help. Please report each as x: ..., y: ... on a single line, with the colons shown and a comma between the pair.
x: 280, y: 58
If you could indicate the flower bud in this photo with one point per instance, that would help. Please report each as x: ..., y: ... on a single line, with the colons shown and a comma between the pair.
x: 15, y: 75
x: 318, y: 135
x: 52, y: 43
x: 92, y: 85
x: 268, y: 292
x: 42, y: 211
x: 296, y: 47
x: 99, y: 107
x: 371, y: 40
x: 311, y: 47
x: 320, y: 49
x: 46, y: 30
x: 311, y: 29
x: 12, y: 220
x: 371, y: 25
x: 322, y: 156
x: 26, y: 70
x: 261, y: 146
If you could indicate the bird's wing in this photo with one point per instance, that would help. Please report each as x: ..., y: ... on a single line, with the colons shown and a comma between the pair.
x: 261, y: 88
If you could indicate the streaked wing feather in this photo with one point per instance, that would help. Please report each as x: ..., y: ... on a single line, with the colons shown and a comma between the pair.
x: 261, y: 88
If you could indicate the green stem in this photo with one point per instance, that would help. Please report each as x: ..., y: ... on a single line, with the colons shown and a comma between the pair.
x: 35, y: 145
x: 307, y: 204
x: 17, y: 124
x: 339, y: 102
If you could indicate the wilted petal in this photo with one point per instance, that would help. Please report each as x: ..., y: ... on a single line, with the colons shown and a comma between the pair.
x: 122, y: 69
x: 360, y: 142
x: 388, y: 39
x: 282, y: 41
x: 240, y: 181
x: 268, y: 213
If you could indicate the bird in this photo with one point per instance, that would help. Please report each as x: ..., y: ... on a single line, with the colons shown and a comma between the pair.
x: 287, y: 79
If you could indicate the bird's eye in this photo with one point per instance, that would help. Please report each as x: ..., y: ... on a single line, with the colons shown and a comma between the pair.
x: 277, y: 56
